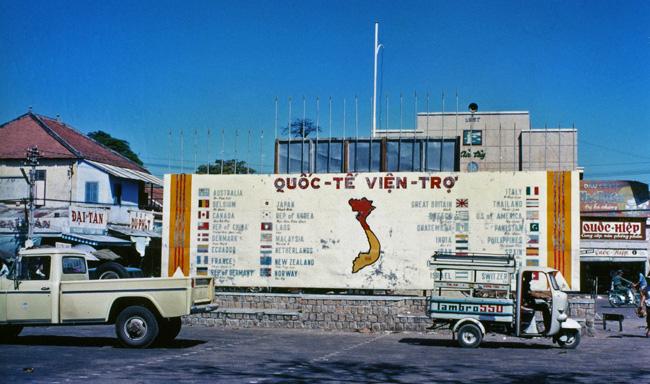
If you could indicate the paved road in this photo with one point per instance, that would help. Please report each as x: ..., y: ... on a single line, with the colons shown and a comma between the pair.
x: 201, y: 354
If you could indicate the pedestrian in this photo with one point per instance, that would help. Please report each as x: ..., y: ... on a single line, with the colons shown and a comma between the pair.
x: 645, y: 302
x: 4, y: 270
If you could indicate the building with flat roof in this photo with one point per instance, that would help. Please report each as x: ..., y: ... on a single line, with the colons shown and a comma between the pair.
x: 441, y: 141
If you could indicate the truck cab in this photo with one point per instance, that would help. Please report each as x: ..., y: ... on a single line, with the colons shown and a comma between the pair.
x: 51, y: 286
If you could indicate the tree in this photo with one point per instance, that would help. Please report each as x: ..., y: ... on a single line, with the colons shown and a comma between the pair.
x: 301, y: 128
x: 228, y: 167
x: 118, y: 145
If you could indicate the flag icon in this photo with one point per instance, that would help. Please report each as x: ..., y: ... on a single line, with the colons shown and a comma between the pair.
x: 203, y: 236
x: 462, y: 203
x: 532, y: 203
x: 204, y: 226
x: 532, y: 215
x: 267, y: 226
x: 532, y: 251
x: 265, y: 260
x: 534, y: 191
x: 267, y: 237
x: 202, y: 248
x: 534, y: 227
x: 204, y: 192
x: 265, y: 272
x: 204, y: 214
x: 266, y: 215
x: 266, y: 246
x: 204, y: 203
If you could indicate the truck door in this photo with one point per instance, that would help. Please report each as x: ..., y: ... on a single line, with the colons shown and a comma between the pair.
x: 31, y: 301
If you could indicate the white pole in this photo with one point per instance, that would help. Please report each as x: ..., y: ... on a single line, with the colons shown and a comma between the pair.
x: 374, y: 88
x: 208, y: 165
x: 276, y: 118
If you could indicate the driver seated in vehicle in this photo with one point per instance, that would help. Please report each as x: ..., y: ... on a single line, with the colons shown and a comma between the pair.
x: 536, y: 300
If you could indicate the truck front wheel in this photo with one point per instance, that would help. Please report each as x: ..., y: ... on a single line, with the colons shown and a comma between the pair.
x: 9, y: 332
x: 169, y: 329
x: 469, y: 336
x: 136, y: 327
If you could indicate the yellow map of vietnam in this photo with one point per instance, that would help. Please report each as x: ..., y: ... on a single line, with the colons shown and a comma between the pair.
x: 364, y: 207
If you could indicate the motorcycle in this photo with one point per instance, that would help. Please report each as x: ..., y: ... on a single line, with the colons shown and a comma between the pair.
x: 628, y: 296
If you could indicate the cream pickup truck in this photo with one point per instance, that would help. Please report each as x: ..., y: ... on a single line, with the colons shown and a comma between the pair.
x: 50, y: 286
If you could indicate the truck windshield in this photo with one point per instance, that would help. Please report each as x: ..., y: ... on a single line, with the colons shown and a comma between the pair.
x: 551, y: 277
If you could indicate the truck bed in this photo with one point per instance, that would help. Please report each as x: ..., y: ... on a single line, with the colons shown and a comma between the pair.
x: 89, y: 301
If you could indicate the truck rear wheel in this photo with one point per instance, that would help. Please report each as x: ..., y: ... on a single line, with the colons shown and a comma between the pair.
x: 136, y: 327
x: 9, y: 332
x: 169, y: 329
x: 111, y: 270
x: 469, y: 336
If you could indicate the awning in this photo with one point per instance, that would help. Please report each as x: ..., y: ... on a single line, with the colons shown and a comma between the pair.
x: 96, y: 240
x: 127, y: 173
x: 133, y: 232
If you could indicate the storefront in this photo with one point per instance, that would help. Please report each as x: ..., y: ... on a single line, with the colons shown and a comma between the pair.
x: 613, y: 233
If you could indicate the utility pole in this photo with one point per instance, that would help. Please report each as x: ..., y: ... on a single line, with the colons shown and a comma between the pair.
x: 32, y: 161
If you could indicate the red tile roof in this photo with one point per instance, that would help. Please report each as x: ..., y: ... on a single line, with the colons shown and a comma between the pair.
x: 55, y: 140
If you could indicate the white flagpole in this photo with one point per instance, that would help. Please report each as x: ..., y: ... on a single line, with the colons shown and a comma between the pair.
x: 208, y: 151
x: 374, y: 88
x: 182, y: 154
x: 223, y: 141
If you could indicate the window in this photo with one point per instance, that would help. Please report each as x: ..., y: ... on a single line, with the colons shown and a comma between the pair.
x: 74, y: 265
x: 39, y: 178
x: 92, y: 192
x: 329, y: 156
x: 34, y: 268
x: 117, y: 193
x: 364, y: 156
x: 472, y: 137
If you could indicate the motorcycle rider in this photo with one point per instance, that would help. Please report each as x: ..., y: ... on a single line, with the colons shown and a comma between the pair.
x: 621, y: 286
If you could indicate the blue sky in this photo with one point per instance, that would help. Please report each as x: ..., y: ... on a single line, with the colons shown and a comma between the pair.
x: 140, y: 69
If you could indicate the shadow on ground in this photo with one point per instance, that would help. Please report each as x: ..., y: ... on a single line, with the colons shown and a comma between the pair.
x: 77, y: 341
x: 341, y: 371
x: 486, y: 344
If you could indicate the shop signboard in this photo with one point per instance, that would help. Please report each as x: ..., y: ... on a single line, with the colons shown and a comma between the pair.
x: 612, y: 252
x: 88, y: 219
x: 141, y: 220
x: 612, y: 229
x: 365, y: 231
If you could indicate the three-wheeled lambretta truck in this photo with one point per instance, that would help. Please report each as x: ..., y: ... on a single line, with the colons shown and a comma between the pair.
x: 479, y: 293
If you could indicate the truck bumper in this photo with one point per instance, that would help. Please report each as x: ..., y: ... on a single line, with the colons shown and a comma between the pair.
x: 203, y: 308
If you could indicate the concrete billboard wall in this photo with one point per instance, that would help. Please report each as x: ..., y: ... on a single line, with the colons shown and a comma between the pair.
x: 364, y: 231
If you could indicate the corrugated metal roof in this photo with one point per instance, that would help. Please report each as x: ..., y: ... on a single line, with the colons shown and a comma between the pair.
x: 127, y: 173
x: 133, y: 232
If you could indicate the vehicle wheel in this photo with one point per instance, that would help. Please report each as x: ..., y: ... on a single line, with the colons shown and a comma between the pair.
x: 614, y: 300
x: 169, y: 329
x: 569, y: 339
x: 136, y: 327
x: 9, y: 332
x: 111, y: 270
x: 469, y: 336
